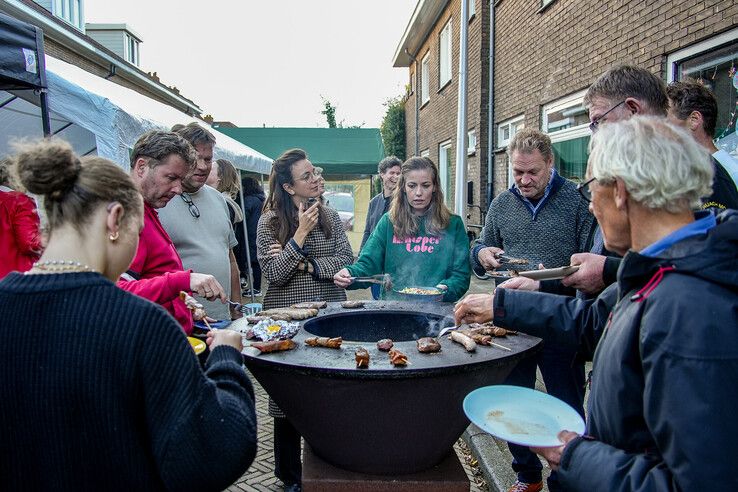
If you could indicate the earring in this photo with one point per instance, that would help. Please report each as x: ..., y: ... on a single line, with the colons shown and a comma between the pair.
x: 113, y: 237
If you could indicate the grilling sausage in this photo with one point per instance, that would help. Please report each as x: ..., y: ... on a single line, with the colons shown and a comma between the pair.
x: 274, y: 346
x: 469, y: 344
x: 324, y: 342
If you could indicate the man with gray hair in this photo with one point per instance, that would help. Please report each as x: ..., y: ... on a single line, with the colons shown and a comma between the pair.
x: 159, y: 162
x: 199, y: 225
x: 543, y: 219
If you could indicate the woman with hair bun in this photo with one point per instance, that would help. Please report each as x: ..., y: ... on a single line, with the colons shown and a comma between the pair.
x: 101, y: 390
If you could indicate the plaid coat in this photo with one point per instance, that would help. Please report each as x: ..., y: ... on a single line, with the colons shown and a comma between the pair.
x: 287, y: 285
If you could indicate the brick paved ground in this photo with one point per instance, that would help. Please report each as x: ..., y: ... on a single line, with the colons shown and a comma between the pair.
x: 259, y: 476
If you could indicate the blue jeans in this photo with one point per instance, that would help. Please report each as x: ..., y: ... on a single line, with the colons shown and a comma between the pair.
x: 564, y: 378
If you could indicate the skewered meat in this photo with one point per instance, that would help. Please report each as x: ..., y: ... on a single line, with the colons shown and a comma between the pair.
x: 502, y: 332
x: 288, y: 314
x: 385, y: 344
x: 352, y: 304
x: 362, y: 358
x: 397, y: 358
x: 198, y: 311
x: 469, y: 344
x: 274, y: 346
x: 428, y: 345
x: 481, y: 339
x: 324, y: 342
x: 310, y: 305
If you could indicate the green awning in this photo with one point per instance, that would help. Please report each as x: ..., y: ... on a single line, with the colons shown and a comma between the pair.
x: 339, y: 151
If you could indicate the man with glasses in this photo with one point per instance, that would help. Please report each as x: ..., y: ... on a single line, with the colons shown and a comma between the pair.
x: 159, y: 162
x: 543, y: 219
x: 199, y: 225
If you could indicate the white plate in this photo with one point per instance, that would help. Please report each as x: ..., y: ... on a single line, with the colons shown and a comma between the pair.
x: 550, y: 273
x: 521, y: 415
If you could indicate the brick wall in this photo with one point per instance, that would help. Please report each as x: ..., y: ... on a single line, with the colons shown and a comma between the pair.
x: 438, y: 116
x: 542, y: 56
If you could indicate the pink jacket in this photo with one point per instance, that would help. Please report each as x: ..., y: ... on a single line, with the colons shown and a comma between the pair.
x: 20, y: 236
x: 157, y: 270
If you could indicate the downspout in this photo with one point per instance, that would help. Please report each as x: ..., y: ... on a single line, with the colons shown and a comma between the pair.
x: 491, y: 107
x: 417, y: 103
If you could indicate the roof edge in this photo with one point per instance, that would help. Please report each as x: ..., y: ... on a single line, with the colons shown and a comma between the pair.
x: 421, y: 23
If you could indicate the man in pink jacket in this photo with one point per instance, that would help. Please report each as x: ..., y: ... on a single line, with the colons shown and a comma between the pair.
x: 159, y: 162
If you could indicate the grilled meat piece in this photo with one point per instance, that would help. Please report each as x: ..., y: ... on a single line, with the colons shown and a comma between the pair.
x: 385, y: 344
x: 310, y: 305
x: 428, y: 345
x: 352, y: 304
x: 469, y: 344
x: 324, y: 342
x: 274, y: 346
x: 362, y: 358
x: 198, y: 311
x: 397, y: 358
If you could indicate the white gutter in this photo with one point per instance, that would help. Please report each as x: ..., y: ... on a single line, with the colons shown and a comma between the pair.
x: 49, y: 26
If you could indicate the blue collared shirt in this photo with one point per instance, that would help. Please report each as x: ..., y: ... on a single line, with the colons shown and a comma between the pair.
x: 535, y: 208
x: 704, y: 221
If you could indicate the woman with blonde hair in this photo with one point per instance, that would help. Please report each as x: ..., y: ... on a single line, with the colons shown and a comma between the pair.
x: 101, y: 390
x: 419, y: 242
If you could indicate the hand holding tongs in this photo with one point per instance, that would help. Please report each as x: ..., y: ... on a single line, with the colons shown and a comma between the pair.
x: 381, y: 279
x: 509, y: 259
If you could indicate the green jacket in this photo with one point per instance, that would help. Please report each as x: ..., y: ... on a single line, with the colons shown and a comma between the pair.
x: 420, y: 261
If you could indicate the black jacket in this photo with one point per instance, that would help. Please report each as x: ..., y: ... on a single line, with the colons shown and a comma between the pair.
x: 663, y: 399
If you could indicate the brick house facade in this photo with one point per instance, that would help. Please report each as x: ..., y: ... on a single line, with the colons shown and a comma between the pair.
x: 545, y: 57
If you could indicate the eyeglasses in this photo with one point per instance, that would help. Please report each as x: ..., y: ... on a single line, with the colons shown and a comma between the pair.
x: 194, y: 211
x: 583, y: 189
x: 316, y: 174
x: 596, y: 122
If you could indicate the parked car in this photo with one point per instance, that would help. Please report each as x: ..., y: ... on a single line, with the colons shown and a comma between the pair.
x: 343, y: 203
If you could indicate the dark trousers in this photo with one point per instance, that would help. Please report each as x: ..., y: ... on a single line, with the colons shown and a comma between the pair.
x: 256, y: 270
x: 287, y: 452
x: 564, y: 378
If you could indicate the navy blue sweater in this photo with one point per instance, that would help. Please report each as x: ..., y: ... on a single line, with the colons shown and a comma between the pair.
x: 101, y: 391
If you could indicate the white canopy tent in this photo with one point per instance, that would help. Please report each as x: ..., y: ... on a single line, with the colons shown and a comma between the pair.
x: 97, y: 115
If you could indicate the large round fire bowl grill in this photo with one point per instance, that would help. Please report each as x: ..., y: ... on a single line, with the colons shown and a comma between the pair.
x: 382, y: 420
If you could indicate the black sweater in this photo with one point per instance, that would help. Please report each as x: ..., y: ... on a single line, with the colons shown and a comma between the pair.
x: 101, y: 391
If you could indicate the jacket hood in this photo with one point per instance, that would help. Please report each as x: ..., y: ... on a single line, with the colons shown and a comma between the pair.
x: 712, y: 257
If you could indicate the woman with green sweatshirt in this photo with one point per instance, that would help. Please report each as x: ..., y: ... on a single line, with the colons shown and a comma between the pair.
x: 419, y: 242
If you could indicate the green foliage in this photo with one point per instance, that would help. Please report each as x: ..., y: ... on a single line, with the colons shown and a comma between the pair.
x: 330, y: 113
x: 393, y: 127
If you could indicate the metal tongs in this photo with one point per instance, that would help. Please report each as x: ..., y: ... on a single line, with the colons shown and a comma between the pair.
x: 380, y: 279
x: 509, y: 259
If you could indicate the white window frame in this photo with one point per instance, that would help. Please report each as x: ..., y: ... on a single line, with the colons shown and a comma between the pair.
x: 578, y: 131
x: 512, y: 125
x: 425, y: 153
x: 471, y: 142
x: 131, y: 50
x: 445, y: 55
x: 673, y: 59
x: 444, y: 154
x: 70, y: 11
x: 472, y: 8
x: 425, y: 79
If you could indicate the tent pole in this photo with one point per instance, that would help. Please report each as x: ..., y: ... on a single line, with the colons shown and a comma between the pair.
x: 45, y: 120
x: 246, y: 242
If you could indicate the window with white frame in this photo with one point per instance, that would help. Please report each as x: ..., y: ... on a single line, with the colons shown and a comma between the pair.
x: 714, y: 62
x: 471, y: 142
x: 507, y: 129
x: 444, y: 56
x: 425, y: 79
x: 131, y: 50
x: 566, y: 121
x: 444, y: 171
x: 70, y: 11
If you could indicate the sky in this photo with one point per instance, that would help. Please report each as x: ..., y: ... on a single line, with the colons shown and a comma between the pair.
x: 269, y: 62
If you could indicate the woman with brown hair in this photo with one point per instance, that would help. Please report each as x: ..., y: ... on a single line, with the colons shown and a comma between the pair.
x: 102, y: 390
x: 419, y: 242
x: 301, y: 245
